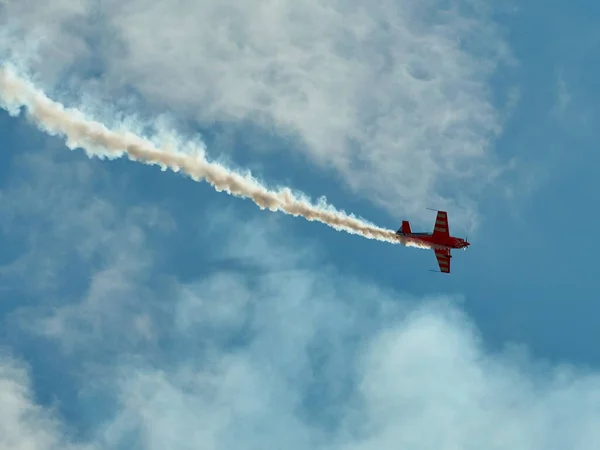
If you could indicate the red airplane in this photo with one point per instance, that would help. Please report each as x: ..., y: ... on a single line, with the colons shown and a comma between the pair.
x: 440, y: 239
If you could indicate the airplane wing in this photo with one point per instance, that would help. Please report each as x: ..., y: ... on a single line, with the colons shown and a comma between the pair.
x: 443, y: 259
x: 441, y: 227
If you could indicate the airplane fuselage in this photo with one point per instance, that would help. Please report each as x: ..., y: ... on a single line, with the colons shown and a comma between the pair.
x: 441, y: 242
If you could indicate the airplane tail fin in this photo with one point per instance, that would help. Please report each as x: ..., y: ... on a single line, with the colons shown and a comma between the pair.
x: 405, y: 228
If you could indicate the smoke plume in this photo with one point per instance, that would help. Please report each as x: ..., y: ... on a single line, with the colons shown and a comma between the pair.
x: 97, y: 140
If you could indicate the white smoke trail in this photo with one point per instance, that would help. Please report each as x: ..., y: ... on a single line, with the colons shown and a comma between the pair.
x: 99, y: 141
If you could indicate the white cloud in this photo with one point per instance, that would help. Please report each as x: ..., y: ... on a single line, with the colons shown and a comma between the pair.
x: 315, y: 372
x: 394, y: 96
x: 47, y: 36
x: 262, y: 352
x: 24, y: 424
x: 78, y: 242
x: 276, y: 356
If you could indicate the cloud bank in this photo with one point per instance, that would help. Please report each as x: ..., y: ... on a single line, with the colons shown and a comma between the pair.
x: 393, y: 96
x: 25, y: 425
x: 278, y: 352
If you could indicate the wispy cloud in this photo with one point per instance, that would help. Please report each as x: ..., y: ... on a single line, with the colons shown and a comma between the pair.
x: 290, y: 353
x: 76, y: 240
x: 51, y: 36
x: 25, y: 425
x: 563, y: 96
x: 303, y: 359
x: 393, y: 96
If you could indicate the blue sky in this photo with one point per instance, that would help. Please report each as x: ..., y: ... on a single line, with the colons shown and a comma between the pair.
x: 143, y: 310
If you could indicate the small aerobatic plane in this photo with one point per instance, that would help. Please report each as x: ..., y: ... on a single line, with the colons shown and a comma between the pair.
x: 440, y: 240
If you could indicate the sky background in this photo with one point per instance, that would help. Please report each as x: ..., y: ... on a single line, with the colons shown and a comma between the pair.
x: 142, y: 310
